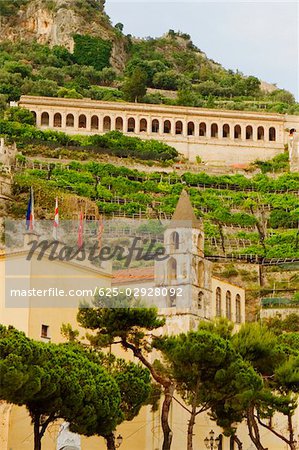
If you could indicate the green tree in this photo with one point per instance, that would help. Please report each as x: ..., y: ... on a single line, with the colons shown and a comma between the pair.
x: 134, y: 88
x: 22, y: 115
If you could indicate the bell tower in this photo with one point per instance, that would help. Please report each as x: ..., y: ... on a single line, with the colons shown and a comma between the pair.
x: 185, y: 273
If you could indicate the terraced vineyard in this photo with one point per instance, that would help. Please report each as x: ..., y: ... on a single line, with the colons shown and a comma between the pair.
x: 249, y: 216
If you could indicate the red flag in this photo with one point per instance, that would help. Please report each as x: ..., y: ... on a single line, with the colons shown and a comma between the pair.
x: 100, y: 232
x: 80, y: 230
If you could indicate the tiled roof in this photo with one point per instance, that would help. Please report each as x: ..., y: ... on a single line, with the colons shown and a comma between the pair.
x: 133, y: 274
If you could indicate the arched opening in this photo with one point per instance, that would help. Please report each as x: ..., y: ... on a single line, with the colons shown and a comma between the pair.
x: 155, y: 126
x: 200, y: 300
x: 172, y: 270
x: 237, y: 132
x: 167, y: 127
x: 190, y: 129
x: 228, y: 301
x: 70, y: 120
x: 225, y: 131
x: 172, y: 298
x: 179, y: 127
x: 249, y: 132
x: 82, y: 121
x: 202, y: 129
x: 131, y: 125
x: 272, y: 134
x: 57, y: 120
x: 45, y: 119
x: 218, y: 302
x: 238, y: 308
x: 119, y: 124
x: 94, y: 123
x: 214, y: 130
x: 34, y: 115
x: 200, y: 243
x: 143, y: 125
x: 107, y: 124
x: 201, y: 273
x: 174, y: 241
x: 260, y: 134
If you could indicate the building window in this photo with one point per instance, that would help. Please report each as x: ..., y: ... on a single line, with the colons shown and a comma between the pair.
x: 94, y: 123
x: 202, y: 129
x: 201, y: 273
x: 45, y: 331
x: 218, y: 302
x: 214, y: 130
x: 272, y: 134
x: 237, y: 132
x: 45, y: 119
x: 82, y: 121
x: 225, y: 131
x: 119, y: 124
x: 107, y: 124
x: 179, y: 127
x: 155, y: 126
x: 249, y: 132
x: 131, y: 125
x: 260, y: 133
x: 200, y: 300
x: 34, y: 115
x: 172, y: 298
x: 57, y: 120
x: 70, y: 120
x: 172, y: 270
x: 190, y: 129
x: 167, y: 127
x: 174, y: 241
x: 143, y: 125
x: 228, y: 299
x: 238, y: 308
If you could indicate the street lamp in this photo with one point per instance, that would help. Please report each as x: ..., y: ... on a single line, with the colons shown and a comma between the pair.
x: 119, y: 441
x: 211, y: 443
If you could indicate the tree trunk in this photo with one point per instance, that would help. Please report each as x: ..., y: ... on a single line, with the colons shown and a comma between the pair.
x: 254, y: 429
x: 37, y: 436
x: 110, y: 442
x: 238, y: 442
x: 168, y: 393
x: 190, y: 428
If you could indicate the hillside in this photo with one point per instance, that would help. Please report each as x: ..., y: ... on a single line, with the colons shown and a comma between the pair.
x: 69, y: 48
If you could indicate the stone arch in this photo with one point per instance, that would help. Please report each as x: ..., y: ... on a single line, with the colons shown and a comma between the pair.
x: 218, y: 302
x: 200, y: 273
x: 202, y: 129
x: 200, y: 297
x: 190, y: 128
x: 214, y: 130
x: 57, y: 121
x: 167, y: 127
x: 260, y: 134
x: 179, y: 127
x: 70, y: 121
x: 131, y: 125
x: 225, y: 130
x: 238, y: 308
x: 249, y: 133
x: 107, y: 124
x: 172, y: 269
x: 155, y: 126
x: 94, y: 123
x: 82, y: 121
x: 200, y: 243
x: 228, y: 301
x: 174, y: 241
x: 143, y: 125
x: 272, y: 134
x: 45, y: 119
x: 237, y: 132
x: 119, y: 124
x: 34, y: 115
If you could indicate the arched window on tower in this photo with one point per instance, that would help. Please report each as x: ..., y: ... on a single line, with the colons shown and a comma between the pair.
x: 260, y: 134
x: 272, y: 134
x: 249, y: 132
x: 179, y: 127
x: 228, y: 301
x: 82, y: 121
x: 172, y: 270
x: 200, y: 300
x: 57, y: 120
x: 237, y: 132
x: 238, y: 308
x: 201, y: 273
x: 131, y: 125
x: 94, y: 123
x: 45, y: 119
x: 70, y: 121
x: 218, y: 302
x: 107, y: 124
x: 143, y: 126
x: 167, y: 127
x: 119, y: 124
x: 202, y: 129
x: 155, y: 126
x: 174, y: 241
x: 190, y: 129
x: 225, y: 131
x: 214, y: 130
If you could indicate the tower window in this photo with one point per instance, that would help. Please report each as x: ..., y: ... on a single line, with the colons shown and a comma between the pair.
x: 172, y: 298
x: 45, y: 331
x: 229, y: 305
x: 200, y: 300
x: 218, y: 302
x: 175, y: 240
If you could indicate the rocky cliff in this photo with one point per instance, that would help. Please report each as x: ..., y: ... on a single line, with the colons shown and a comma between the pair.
x: 54, y: 22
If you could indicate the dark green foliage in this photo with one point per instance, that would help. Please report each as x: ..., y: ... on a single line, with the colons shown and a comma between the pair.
x: 10, y: 7
x: 20, y: 115
x: 134, y: 88
x: 92, y: 51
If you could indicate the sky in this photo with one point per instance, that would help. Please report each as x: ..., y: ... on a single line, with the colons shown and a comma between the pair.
x: 257, y: 38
